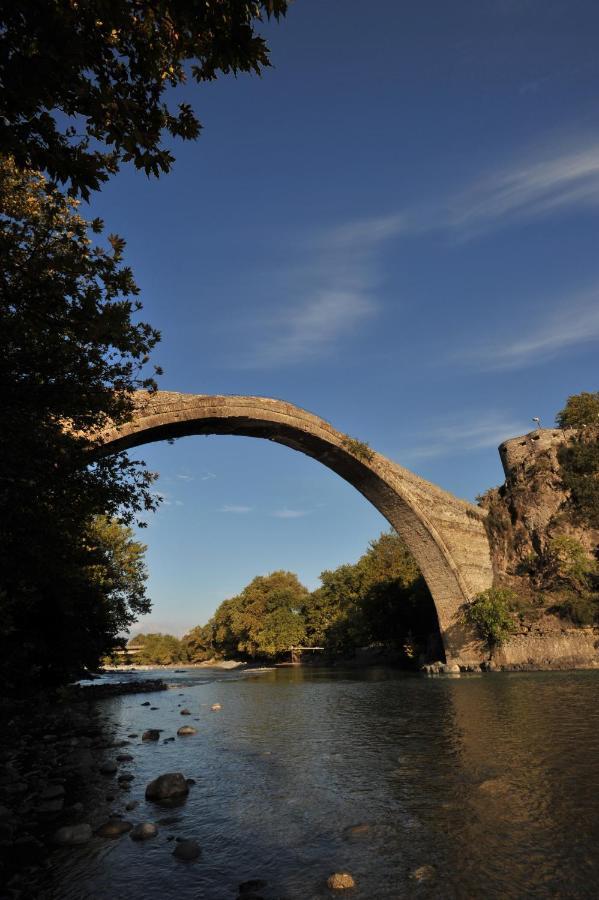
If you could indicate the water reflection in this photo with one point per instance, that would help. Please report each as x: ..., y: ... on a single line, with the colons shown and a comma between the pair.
x: 483, y: 786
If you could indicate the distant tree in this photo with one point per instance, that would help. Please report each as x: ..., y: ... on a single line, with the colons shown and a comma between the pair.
x: 71, y: 353
x: 85, y: 84
x: 159, y: 649
x: 380, y: 599
x: 263, y: 620
x: 581, y: 410
x: 197, y: 644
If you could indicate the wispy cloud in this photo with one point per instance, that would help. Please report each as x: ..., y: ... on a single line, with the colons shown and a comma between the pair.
x: 532, y: 187
x: 290, y: 513
x: 329, y: 297
x: 572, y: 321
x: 183, y: 476
x: 477, y: 431
x: 232, y: 508
x: 207, y: 476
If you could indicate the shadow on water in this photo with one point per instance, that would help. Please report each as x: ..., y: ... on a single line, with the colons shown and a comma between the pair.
x: 488, y: 781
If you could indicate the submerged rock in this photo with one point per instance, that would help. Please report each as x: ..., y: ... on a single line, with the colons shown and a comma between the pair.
x: 185, y: 712
x: 170, y: 786
x: 215, y: 707
x: 143, y: 831
x: 71, y: 835
x: 187, y: 850
x: 251, y: 886
x: 107, y: 768
x: 152, y: 734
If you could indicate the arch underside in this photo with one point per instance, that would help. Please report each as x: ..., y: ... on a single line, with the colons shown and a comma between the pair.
x: 437, y: 527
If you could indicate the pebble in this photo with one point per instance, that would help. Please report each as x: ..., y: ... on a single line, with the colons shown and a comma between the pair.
x: 423, y: 873
x: 340, y: 881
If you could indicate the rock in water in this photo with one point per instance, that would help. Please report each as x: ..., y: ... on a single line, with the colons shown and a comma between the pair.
x: 423, y: 873
x: 152, y: 734
x: 187, y: 729
x: 215, y: 707
x: 143, y: 831
x: 107, y: 768
x: 251, y: 886
x: 187, y: 850
x: 185, y: 712
x: 340, y: 881
x: 71, y: 835
x: 114, y: 828
x: 170, y: 786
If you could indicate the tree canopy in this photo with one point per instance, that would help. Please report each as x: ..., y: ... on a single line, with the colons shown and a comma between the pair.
x: 581, y: 410
x: 72, y: 351
x: 579, y: 457
x: 88, y: 85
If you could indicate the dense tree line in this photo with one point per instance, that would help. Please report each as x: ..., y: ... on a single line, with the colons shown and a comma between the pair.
x: 381, y: 599
x: 84, y: 90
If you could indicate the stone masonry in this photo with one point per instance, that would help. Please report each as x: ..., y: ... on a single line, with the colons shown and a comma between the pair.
x: 446, y: 535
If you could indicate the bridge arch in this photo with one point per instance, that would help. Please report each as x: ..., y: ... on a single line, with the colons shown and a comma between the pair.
x: 446, y: 535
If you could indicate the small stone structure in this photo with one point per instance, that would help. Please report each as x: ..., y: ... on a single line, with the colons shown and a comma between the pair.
x: 446, y: 535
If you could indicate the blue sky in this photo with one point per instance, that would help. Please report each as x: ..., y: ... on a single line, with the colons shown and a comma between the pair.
x: 395, y: 228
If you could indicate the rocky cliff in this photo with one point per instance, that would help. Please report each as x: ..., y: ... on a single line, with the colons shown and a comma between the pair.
x: 545, y: 552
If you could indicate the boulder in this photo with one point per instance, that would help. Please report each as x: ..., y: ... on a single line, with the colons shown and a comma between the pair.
x: 71, y: 835
x: 152, y: 734
x: 340, y: 881
x: 187, y: 729
x: 187, y: 850
x: 170, y: 786
x: 114, y: 828
x: 143, y: 831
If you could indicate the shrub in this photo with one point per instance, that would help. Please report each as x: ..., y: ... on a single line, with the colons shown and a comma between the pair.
x: 490, y: 614
x: 580, y: 609
x: 358, y: 448
x: 565, y: 562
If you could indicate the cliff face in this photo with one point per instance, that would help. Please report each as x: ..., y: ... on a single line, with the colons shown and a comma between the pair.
x: 525, y: 517
x: 533, y: 505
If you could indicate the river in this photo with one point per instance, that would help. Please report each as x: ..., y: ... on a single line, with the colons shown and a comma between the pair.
x: 469, y: 787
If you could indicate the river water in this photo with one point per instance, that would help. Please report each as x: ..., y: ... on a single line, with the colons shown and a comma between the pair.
x: 491, y: 782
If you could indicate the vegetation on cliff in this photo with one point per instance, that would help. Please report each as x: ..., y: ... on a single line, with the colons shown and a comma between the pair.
x: 542, y: 525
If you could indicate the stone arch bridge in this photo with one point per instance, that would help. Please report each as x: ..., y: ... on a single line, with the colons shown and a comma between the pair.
x: 446, y: 535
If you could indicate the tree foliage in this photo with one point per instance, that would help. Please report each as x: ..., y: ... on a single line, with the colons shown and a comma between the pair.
x: 87, y: 85
x: 158, y: 649
x: 264, y: 620
x: 71, y: 353
x: 581, y: 410
x: 380, y: 599
x: 491, y: 614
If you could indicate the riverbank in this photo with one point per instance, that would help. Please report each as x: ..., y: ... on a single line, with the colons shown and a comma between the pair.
x: 59, y: 780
